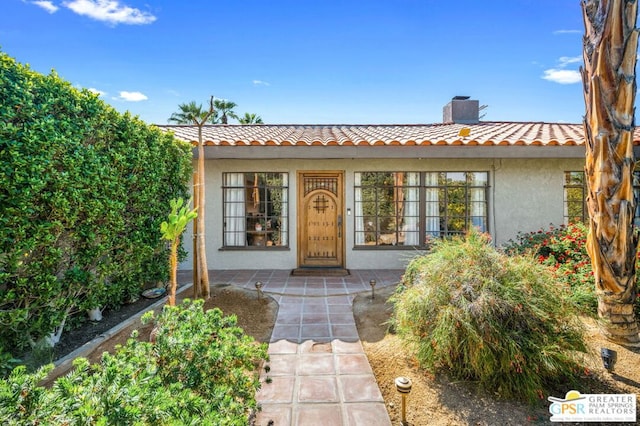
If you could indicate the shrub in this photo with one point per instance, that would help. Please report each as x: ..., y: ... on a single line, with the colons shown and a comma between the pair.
x: 7, y: 363
x: 488, y: 317
x: 201, y: 370
x: 84, y: 190
x: 563, y: 249
x: 209, y: 353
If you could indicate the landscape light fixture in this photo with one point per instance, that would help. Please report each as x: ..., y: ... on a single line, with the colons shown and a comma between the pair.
x: 403, y: 386
x: 372, y: 283
x: 608, y: 358
x: 259, y: 288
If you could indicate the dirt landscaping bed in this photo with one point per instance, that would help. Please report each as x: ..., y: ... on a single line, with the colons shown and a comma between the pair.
x: 256, y: 316
x: 436, y: 400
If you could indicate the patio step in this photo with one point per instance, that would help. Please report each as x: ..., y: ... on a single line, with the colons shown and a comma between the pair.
x: 320, y: 272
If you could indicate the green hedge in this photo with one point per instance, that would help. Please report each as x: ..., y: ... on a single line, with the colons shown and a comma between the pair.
x: 83, y: 192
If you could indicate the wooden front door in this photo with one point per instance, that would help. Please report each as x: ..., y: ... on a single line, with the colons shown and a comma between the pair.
x: 320, y: 223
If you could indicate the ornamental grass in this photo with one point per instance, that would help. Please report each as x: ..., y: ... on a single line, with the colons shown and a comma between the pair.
x: 482, y: 316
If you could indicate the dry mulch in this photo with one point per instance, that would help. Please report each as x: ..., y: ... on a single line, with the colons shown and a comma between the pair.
x: 436, y: 400
x: 255, y: 315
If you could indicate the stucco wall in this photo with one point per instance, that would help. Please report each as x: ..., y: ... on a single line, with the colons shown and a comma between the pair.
x: 524, y: 195
x: 528, y: 195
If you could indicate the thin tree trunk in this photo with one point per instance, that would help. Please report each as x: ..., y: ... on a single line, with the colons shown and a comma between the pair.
x: 196, y: 275
x: 203, y: 278
x: 173, y: 261
x: 610, y: 46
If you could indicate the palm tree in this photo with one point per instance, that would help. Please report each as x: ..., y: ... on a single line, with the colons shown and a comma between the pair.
x: 225, y: 109
x: 250, y: 119
x: 609, y: 83
x: 194, y: 114
x: 188, y: 112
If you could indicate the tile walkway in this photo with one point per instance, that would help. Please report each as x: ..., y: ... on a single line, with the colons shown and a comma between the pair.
x: 319, y: 372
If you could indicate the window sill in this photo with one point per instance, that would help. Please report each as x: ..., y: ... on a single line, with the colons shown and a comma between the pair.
x: 255, y: 248
x: 388, y: 247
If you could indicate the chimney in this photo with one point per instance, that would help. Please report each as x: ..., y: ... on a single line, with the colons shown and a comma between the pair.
x: 461, y: 110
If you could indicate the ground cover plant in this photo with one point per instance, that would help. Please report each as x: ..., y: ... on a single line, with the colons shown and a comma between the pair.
x: 84, y: 190
x: 200, y: 369
x: 494, y: 319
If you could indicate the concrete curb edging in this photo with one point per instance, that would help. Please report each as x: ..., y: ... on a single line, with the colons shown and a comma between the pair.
x: 64, y: 364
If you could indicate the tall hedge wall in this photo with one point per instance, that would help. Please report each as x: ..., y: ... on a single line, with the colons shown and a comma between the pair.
x: 83, y: 190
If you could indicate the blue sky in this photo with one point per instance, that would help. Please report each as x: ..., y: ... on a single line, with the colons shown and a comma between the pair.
x: 311, y: 62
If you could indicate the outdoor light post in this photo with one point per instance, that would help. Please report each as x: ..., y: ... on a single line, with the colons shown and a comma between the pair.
x: 608, y: 358
x: 403, y: 386
x: 372, y: 283
x: 259, y: 288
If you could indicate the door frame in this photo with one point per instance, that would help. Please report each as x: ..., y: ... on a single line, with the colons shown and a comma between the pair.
x: 301, y: 245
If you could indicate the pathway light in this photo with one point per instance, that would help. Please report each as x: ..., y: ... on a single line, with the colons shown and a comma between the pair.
x: 403, y: 386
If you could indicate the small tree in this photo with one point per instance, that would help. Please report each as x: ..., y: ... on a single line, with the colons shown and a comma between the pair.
x: 179, y: 217
x: 192, y: 113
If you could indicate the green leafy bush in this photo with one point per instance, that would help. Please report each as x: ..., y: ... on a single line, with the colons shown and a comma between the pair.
x: 7, y: 363
x: 84, y: 190
x: 488, y: 317
x: 215, y: 358
x: 201, y: 370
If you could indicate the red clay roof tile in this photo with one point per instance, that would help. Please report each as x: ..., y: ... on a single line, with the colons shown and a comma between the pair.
x: 483, y: 134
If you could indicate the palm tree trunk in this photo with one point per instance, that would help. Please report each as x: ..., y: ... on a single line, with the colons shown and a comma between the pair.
x: 610, y: 46
x: 202, y: 289
x: 196, y: 279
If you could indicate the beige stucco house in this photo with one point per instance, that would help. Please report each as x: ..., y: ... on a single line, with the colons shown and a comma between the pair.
x: 373, y: 196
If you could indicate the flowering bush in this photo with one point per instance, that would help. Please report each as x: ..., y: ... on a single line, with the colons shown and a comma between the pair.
x: 564, y: 250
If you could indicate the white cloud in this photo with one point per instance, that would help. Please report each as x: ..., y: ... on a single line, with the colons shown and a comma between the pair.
x: 566, y: 60
x: 562, y: 76
x: 110, y: 11
x: 260, y: 83
x: 567, y: 32
x: 96, y: 91
x: 132, y: 96
x: 46, y: 5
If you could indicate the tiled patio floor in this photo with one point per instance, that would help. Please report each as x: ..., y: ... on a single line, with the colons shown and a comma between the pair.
x: 319, y: 372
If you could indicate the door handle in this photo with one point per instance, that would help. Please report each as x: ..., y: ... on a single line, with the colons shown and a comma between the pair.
x: 339, y: 226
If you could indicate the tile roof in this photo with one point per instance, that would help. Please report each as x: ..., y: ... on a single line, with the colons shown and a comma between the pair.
x: 482, y: 133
